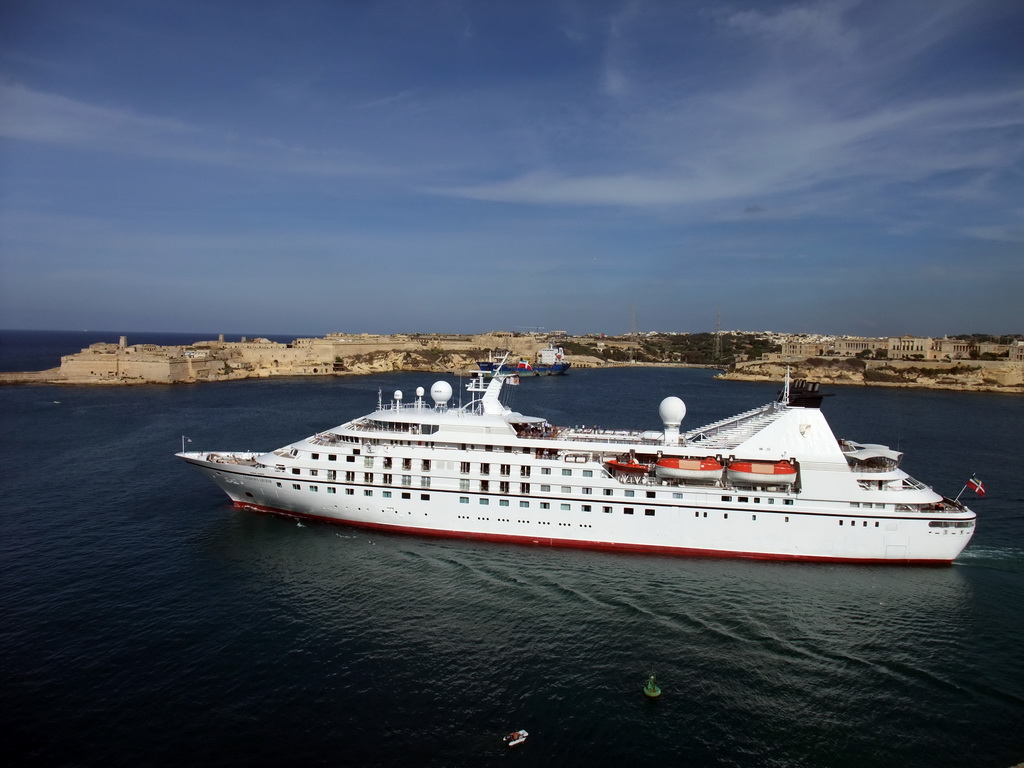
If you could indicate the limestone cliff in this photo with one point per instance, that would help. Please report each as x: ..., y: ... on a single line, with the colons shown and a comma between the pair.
x: 968, y: 375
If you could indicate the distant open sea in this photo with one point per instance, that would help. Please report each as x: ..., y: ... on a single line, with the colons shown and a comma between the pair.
x: 145, y: 622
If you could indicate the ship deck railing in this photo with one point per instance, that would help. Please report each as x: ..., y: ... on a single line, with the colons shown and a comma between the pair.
x: 730, y: 432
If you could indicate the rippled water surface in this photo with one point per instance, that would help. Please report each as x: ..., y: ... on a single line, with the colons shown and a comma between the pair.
x: 146, y: 622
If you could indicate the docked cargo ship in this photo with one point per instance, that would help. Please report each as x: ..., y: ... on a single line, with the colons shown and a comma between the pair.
x: 551, y: 361
x: 772, y: 483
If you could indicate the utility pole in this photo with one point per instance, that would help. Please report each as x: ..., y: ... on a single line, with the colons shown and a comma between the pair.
x: 718, y: 337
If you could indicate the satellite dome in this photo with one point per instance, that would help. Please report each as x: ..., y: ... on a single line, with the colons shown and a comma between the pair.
x: 672, y: 410
x: 398, y: 394
x: 441, y: 392
x: 419, y: 391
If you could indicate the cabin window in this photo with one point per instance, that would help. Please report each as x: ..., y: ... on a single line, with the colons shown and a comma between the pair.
x: 350, y: 458
x: 677, y: 495
x: 545, y: 489
x: 787, y: 519
x: 725, y: 516
x: 545, y: 470
x: 566, y: 473
x: 387, y: 462
x: 608, y: 491
x: 332, y: 475
x: 464, y: 484
x: 650, y: 512
x: 524, y: 487
x: 506, y: 470
x: 524, y: 471
x: 630, y: 494
x: 753, y: 517
x: 388, y: 479
x: 485, y: 469
x: 314, y: 455
x: 464, y: 467
x: 332, y: 457
x: 406, y: 479
x: 367, y: 477
x: 585, y: 507
x: 349, y: 491
x: 727, y: 498
x: 463, y: 499
x: 332, y: 489
x: 503, y: 502
x: 406, y: 464
x: 588, y: 473
x: 424, y: 482
x: 627, y: 511
x: 406, y: 495
x: 424, y: 497
x: 743, y: 499
x: 350, y: 477
x: 313, y: 473
x: 587, y: 491
x: 386, y: 494
x: 787, y: 502
x: 503, y: 487
x: 367, y: 492
x: 295, y: 470
x: 426, y: 465
x: 485, y: 485
x: 565, y: 507
x: 296, y: 487
x: 650, y: 494
x: 313, y: 488
x: 545, y: 505
x: 566, y: 489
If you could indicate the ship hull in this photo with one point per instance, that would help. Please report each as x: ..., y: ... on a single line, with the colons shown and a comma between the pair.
x: 698, y: 528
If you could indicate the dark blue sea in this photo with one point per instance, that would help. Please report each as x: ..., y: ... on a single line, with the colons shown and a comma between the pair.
x: 145, y: 622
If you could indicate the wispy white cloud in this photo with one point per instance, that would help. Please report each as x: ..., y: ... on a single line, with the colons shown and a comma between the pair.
x: 819, y: 25
x: 50, y: 118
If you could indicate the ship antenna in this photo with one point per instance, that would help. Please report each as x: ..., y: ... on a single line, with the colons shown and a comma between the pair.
x: 380, y: 402
x: 785, y: 388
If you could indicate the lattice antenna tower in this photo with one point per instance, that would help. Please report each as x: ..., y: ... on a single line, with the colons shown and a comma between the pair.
x: 718, y: 337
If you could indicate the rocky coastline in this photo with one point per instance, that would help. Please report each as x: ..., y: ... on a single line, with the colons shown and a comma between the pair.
x: 962, y: 376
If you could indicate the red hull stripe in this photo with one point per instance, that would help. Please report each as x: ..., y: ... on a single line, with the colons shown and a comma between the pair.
x: 577, y: 544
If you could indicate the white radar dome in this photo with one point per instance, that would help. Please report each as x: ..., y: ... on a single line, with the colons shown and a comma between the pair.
x: 672, y: 410
x: 441, y: 392
x: 398, y: 394
x: 419, y: 391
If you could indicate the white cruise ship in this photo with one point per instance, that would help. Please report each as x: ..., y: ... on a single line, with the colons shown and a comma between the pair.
x: 771, y: 483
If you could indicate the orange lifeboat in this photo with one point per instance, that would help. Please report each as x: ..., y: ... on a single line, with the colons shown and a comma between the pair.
x: 629, y: 467
x: 689, y: 469
x: 762, y: 472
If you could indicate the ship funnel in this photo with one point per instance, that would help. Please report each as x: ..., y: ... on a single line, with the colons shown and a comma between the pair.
x: 672, y: 410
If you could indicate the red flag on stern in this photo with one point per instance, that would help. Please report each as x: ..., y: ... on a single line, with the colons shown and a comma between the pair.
x: 976, y: 485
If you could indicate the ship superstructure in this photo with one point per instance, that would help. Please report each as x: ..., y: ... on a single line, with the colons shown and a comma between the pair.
x: 773, y: 482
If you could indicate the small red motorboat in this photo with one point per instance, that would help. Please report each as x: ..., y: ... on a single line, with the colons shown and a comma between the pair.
x: 630, y: 467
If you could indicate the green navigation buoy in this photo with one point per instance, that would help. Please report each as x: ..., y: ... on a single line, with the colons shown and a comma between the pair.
x: 650, y: 688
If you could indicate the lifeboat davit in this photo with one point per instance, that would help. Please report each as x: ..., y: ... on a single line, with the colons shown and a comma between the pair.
x: 762, y: 472
x: 628, y: 467
x: 689, y: 469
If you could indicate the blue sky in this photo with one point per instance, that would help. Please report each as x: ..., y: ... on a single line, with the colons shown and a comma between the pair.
x: 444, y: 166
